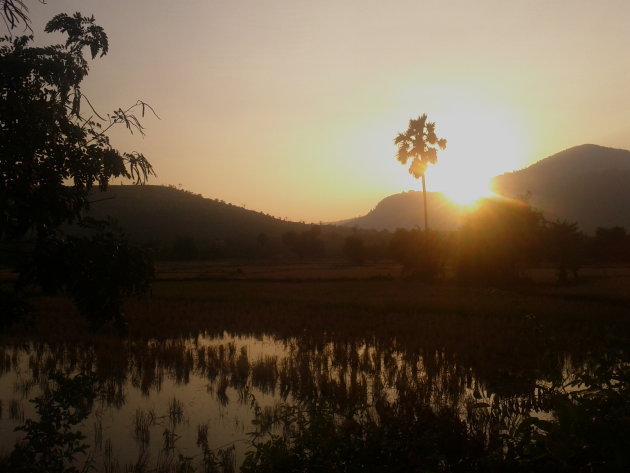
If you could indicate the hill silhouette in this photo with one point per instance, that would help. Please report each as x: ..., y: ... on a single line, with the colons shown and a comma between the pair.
x: 161, y: 215
x: 183, y: 225
x: 405, y: 210
x: 588, y: 184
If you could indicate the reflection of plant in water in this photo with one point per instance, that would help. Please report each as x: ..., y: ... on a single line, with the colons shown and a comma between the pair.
x: 348, y: 356
x: 342, y: 371
x: 590, y: 427
x: 170, y: 458
x: 16, y: 412
x: 220, y: 461
x: 51, y: 444
x: 141, y: 427
x: 175, y: 411
x: 580, y: 426
x: 385, y: 437
x: 265, y: 374
x: 98, y: 433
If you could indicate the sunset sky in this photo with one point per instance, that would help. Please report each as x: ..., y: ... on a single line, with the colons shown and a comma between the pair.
x: 290, y: 107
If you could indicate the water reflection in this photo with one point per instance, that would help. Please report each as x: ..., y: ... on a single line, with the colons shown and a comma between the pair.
x: 192, y: 396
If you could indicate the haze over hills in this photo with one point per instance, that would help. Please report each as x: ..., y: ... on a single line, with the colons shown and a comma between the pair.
x: 588, y: 184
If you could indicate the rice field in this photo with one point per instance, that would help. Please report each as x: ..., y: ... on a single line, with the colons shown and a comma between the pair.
x: 207, y: 359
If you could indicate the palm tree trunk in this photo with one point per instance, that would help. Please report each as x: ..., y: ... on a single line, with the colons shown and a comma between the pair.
x: 424, y: 194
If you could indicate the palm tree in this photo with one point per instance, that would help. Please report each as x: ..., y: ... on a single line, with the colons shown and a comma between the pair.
x: 419, y: 143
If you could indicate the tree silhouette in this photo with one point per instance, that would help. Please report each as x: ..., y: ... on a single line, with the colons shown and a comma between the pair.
x: 498, y: 239
x: 422, y: 253
x: 354, y: 249
x: 611, y: 245
x: 52, y: 153
x: 565, y: 247
x: 419, y: 144
x: 14, y: 12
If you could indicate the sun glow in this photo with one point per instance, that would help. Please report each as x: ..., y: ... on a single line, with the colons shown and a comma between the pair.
x: 468, y: 194
x: 487, y: 134
x: 485, y: 138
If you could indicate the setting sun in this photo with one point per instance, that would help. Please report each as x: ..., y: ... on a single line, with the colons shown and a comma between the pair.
x: 485, y: 137
x: 469, y: 193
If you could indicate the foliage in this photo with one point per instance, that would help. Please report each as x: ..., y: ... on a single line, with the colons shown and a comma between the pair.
x: 588, y: 429
x: 422, y: 254
x: 611, y: 245
x: 354, y: 249
x: 221, y: 460
x: 184, y: 247
x: 12, y: 308
x: 420, y: 144
x: 14, y: 12
x: 306, y: 243
x: 50, y: 444
x: 565, y: 248
x: 51, y: 155
x: 580, y: 427
x: 497, y: 240
x: 96, y: 271
x: 45, y: 142
x: 316, y: 437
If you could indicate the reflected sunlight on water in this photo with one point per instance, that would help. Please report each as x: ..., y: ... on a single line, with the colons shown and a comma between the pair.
x: 169, y: 395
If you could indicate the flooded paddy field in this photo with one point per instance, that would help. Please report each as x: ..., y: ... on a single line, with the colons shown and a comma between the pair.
x: 208, y: 364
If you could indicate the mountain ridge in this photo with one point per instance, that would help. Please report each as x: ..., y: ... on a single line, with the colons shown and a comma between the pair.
x: 588, y: 184
x: 149, y: 211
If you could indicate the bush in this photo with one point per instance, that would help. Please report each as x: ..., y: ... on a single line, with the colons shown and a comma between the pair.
x: 354, y: 250
x: 405, y: 436
x: 497, y: 241
x: 422, y: 253
x: 50, y: 444
x: 96, y: 271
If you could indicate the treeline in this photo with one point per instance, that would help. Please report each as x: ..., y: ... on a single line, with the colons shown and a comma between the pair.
x: 305, y: 243
x: 501, y: 239
x: 498, y: 241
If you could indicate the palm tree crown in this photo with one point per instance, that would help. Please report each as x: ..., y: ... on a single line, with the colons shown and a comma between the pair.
x: 419, y: 143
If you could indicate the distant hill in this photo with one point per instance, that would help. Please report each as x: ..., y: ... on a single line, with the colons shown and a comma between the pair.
x: 406, y: 210
x: 160, y: 214
x: 183, y: 225
x: 588, y: 184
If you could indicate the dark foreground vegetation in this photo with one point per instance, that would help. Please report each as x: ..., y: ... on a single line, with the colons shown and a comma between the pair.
x: 381, y: 375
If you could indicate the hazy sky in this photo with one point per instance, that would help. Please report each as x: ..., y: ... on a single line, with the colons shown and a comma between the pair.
x: 290, y: 106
